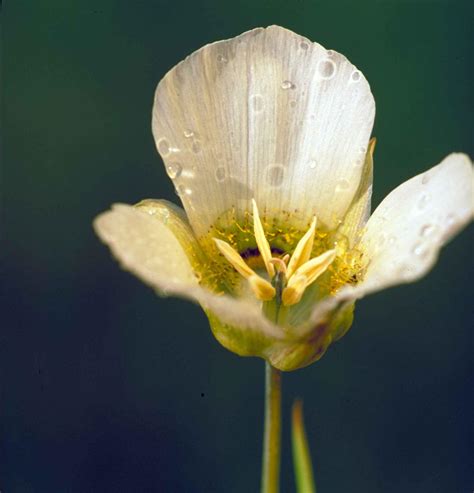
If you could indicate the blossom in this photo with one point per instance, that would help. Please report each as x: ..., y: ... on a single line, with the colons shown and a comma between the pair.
x: 266, y: 138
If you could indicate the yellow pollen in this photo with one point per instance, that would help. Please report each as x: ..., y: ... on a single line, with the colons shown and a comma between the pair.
x: 299, y: 271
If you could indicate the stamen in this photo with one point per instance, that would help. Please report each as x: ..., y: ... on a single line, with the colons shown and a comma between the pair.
x: 316, y: 266
x: 262, y: 289
x: 303, y: 249
x: 234, y: 258
x: 306, y: 275
x: 262, y: 242
x: 294, y: 291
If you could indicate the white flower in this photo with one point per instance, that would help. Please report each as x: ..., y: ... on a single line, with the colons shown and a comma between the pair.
x: 266, y: 138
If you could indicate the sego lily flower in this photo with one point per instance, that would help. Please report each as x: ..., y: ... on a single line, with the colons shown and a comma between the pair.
x: 266, y: 139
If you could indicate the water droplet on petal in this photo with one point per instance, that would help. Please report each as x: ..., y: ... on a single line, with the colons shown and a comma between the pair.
x: 222, y: 59
x: 256, y: 103
x: 330, y: 52
x: 304, y: 45
x: 174, y: 170
x: 196, y: 147
x: 342, y: 186
x: 423, y: 202
x: 420, y: 249
x: 292, y: 103
x: 427, y: 230
x: 181, y: 190
x: 326, y: 69
x: 286, y: 84
x: 275, y: 174
x: 425, y: 179
x: 356, y: 76
x: 312, y: 163
x: 188, y: 133
x: 220, y: 173
x: 163, y: 147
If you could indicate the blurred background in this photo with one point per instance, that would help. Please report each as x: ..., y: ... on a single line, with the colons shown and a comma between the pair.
x: 107, y: 388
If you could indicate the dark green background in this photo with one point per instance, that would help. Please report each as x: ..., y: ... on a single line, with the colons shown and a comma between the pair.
x: 105, y: 387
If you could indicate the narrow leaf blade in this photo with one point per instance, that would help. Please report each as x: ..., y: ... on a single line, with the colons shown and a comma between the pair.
x: 301, y: 456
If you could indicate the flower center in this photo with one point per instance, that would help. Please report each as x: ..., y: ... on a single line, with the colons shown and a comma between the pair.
x: 288, y: 277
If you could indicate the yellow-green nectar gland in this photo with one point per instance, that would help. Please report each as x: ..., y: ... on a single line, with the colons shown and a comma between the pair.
x: 288, y: 277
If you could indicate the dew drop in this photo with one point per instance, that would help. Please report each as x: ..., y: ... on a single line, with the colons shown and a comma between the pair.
x: 286, y: 84
x: 181, y: 190
x: 326, y: 69
x: 425, y: 179
x: 174, y: 170
x: 292, y: 103
x: 423, y: 202
x: 222, y: 59
x: 342, y: 186
x: 165, y: 215
x: 330, y: 52
x: 304, y: 45
x: 196, y: 147
x: 220, y: 173
x: 420, y: 249
x: 427, y: 230
x: 312, y: 163
x: 188, y: 133
x: 355, y: 76
x: 163, y: 147
x: 362, y: 149
x: 256, y: 103
x: 275, y: 174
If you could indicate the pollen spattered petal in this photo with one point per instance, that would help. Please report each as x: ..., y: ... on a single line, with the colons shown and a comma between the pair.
x: 262, y: 242
x: 302, y: 251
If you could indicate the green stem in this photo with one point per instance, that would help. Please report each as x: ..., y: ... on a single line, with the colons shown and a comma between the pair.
x: 271, y: 437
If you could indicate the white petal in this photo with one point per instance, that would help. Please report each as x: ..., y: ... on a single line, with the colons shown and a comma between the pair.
x: 144, y: 245
x: 405, y: 233
x: 266, y: 115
